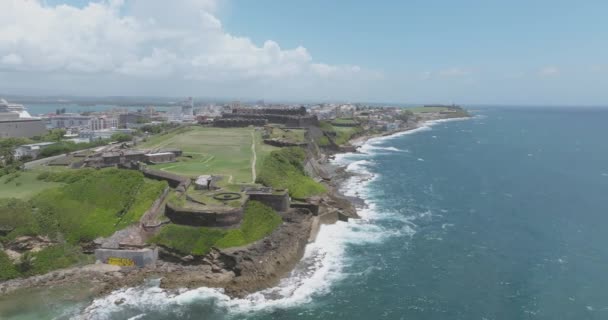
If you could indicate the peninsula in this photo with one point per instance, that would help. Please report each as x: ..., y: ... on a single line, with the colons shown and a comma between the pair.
x: 222, y: 197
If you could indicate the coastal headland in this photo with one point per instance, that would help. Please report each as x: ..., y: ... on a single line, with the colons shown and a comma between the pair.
x: 230, y: 206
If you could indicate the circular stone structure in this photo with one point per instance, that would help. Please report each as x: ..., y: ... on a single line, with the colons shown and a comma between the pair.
x: 227, y: 196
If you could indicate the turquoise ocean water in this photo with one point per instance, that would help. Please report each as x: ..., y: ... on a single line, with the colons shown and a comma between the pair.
x: 502, y: 216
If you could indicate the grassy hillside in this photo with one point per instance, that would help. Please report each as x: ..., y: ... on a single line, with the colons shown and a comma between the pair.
x: 341, y: 134
x: 259, y: 221
x: 283, y: 169
x: 23, y: 184
x: 98, y: 203
x: 88, y: 204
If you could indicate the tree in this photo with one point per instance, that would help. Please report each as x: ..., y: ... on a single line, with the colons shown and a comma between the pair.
x: 406, y: 115
x: 121, y: 137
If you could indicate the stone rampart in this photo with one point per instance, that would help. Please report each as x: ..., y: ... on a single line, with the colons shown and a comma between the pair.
x: 278, y: 202
x: 313, y: 208
x: 204, y: 218
x: 173, y: 179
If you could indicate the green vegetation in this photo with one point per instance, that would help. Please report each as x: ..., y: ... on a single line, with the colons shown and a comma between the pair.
x: 284, y: 169
x: 51, y: 258
x: 52, y: 135
x: 9, y: 164
x: 208, y: 199
x: 23, y: 184
x: 98, y: 203
x: 20, y: 217
x: 157, y: 128
x: 345, y: 122
x: 121, y: 137
x: 292, y: 135
x: 220, y: 151
x: 26, y: 220
x: 69, y: 146
x: 340, y: 134
x: 7, y: 269
x: 258, y: 221
x: 48, y: 259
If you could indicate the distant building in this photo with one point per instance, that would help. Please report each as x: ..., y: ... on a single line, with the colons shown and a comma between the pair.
x: 15, y: 121
x: 161, y: 157
x: 102, y: 134
x: 70, y: 120
x: 132, y: 117
x: 31, y: 150
x: 103, y: 122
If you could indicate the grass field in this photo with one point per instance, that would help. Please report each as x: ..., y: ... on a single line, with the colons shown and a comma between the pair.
x: 293, y: 135
x: 23, y: 185
x: 220, y: 151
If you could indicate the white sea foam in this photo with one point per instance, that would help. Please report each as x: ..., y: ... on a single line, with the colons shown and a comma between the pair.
x: 321, y: 267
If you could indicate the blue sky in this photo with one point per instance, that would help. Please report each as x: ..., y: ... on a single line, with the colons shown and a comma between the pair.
x: 470, y: 51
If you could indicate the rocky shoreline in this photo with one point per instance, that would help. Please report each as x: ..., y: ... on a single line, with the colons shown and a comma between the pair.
x: 240, y: 271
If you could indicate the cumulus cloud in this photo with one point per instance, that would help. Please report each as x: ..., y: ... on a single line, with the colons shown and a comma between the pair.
x: 143, y: 38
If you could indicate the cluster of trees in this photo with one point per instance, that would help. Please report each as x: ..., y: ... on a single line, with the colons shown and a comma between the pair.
x: 406, y: 115
x: 8, y: 163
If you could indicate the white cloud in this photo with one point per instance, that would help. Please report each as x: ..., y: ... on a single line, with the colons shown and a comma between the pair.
x: 549, y: 71
x: 11, y: 59
x: 144, y: 38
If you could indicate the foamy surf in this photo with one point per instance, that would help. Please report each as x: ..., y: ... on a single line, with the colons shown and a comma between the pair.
x: 322, y: 266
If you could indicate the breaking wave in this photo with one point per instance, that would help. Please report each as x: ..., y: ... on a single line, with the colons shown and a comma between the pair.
x: 321, y: 267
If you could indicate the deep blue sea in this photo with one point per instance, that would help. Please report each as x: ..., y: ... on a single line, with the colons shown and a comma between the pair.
x: 502, y: 216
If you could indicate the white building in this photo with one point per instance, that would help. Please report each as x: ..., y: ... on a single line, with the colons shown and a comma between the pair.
x: 31, y: 150
x: 103, y: 122
x: 70, y: 120
x: 15, y: 121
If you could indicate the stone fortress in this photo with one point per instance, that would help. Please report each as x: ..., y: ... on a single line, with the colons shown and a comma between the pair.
x: 290, y: 117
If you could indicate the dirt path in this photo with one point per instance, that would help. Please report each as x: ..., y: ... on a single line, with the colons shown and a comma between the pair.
x: 254, y: 159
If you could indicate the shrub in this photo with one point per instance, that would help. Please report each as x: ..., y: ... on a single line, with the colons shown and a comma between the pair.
x: 54, y: 257
x: 18, y: 215
x: 7, y: 269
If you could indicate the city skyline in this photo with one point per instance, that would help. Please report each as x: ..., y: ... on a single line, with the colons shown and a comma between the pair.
x: 546, y: 53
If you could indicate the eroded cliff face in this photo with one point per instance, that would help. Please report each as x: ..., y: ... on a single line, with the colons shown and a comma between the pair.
x: 251, y: 268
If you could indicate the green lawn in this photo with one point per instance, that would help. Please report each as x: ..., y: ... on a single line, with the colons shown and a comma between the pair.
x: 345, y: 121
x: 293, y: 135
x: 219, y: 151
x: 23, y: 185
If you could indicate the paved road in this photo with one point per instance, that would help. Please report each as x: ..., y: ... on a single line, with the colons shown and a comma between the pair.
x: 254, y: 159
x: 31, y: 164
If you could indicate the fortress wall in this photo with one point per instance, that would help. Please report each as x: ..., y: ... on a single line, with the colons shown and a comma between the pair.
x: 278, y: 202
x: 313, y: 208
x: 202, y: 218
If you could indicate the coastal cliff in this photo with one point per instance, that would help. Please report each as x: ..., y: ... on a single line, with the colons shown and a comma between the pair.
x: 240, y: 270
